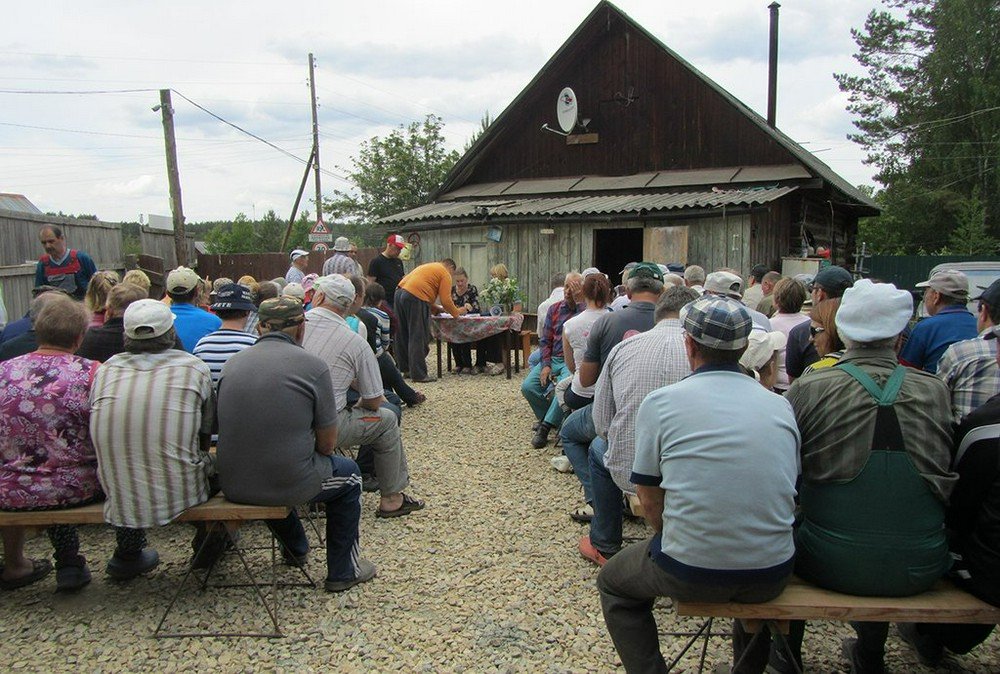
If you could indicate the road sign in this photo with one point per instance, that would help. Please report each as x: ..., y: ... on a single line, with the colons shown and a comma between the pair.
x: 320, y: 233
x: 320, y: 247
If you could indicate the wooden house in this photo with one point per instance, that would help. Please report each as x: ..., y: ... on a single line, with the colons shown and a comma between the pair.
x: 659, y: 163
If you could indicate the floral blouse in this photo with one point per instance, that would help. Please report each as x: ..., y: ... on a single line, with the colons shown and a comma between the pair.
x: 46, y: 457
x: 470, y: 297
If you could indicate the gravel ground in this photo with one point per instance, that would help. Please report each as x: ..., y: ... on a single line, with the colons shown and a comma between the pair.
x: 487, y: 578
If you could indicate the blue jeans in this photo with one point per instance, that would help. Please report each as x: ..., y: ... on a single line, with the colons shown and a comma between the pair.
x: 535, y: 358
x: 342, y: 495
x: 577, y: 435
x: 545, y: 410
x: 606, y: 525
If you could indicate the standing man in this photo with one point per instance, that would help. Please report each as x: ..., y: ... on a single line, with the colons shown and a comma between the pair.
x: 755, y: 292
x: 767, y: 283
x: 265, y: 463
x: 969, y: 367
x: 65, y: 268
x: 386, y: 268
x: 341, y: 262
x: 426, y: 285
x: 299, y: 263
x: 351, y: 363
x: 698, y: 444
x: 945, y: 296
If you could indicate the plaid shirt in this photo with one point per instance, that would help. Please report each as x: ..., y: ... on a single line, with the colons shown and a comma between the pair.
x: 551, y: 341
x: 969, y: 368
x: 635, y: 367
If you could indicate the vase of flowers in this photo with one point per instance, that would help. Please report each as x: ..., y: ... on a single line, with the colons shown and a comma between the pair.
x: 502, y: 293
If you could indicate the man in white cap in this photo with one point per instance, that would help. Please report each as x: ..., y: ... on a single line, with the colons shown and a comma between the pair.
x: 299, y: 263
x: 698, y: 443
x: 151, y: 413
x: 945, y: 296
x: 192, y: 322
x: 728, y: 284
x: 352, y: 363
x: 340, y: 262
x: 876, y: 450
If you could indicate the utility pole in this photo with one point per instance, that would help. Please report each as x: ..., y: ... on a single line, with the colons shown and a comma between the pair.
x: 312, y: 94
x: 167, y: 112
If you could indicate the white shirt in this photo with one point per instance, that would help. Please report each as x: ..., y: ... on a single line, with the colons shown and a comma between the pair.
x: 576, y: 331
x: 556, y: 295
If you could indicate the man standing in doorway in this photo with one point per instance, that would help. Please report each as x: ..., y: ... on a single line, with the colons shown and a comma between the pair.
x: 387, y: 269
x: 65, y: 268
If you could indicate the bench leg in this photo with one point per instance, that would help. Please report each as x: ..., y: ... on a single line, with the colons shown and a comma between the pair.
x: 272, y: 613
x: 705, y: 631
x: 770, y: 629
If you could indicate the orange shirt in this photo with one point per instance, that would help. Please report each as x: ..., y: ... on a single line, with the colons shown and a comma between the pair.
x: 431, y: 283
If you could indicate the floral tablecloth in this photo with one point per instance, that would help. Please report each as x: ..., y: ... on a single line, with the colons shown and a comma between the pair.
x: 465, y: 329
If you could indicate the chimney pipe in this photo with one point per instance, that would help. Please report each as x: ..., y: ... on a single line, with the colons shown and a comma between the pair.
x: 772, y: 66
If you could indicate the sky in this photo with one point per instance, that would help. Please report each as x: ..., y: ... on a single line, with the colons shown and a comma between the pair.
x: 380, y: 63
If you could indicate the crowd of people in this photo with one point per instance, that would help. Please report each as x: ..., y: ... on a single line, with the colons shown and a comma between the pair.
x: 786, y: 425
x: 792, y: 425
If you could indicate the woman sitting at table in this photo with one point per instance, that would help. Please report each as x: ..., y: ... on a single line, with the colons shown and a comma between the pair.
x: 489, y: 349
x: 597, y: 292
x: 464, y: 294
x: 47, y: 461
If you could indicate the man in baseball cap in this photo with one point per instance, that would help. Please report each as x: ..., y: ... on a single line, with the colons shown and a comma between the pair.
x: 716, y: 541
x: 233, y: 304
x: 192, y: 322
x: 945, y: 296
x: 386, y: 268
x: 299, y: 262
x: 969, y: 367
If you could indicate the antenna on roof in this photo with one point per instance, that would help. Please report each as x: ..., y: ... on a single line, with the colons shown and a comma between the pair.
x: 567, y: 113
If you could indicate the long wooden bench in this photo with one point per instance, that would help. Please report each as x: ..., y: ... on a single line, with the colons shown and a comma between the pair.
x: 216, y: 511
x: 944, y: 603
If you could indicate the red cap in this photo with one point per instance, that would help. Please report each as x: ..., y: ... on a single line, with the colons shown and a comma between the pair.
x: 397, y: 241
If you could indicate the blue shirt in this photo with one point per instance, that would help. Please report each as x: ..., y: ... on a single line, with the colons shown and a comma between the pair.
x: 192, y: 323
x: 931, y: 336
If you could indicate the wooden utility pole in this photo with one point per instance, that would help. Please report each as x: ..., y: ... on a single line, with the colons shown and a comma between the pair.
x: 167, y: 113
x: 315, y: 150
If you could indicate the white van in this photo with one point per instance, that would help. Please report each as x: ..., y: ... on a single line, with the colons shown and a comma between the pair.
x: 981, y: 275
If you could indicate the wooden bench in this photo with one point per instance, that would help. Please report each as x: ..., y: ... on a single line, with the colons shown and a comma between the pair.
x: 944, y: 603
x: 216, y: 511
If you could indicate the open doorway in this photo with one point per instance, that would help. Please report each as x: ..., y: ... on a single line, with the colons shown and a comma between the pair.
x: 615, y: 248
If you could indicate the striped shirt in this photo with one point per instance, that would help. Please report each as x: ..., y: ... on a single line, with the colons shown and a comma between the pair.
x: 147, y: 411
x: 340, y: 264
x: 217, y: 347
x: 634, y: 368
x: 969, y: 368
x: 348, y: 356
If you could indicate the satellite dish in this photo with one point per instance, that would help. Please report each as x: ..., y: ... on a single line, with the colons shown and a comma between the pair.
x: 566, y: 110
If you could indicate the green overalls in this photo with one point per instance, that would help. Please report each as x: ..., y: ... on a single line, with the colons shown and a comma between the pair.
x: 880, y: 533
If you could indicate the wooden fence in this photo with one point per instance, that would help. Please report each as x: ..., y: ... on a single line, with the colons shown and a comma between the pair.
x: 265, y: 266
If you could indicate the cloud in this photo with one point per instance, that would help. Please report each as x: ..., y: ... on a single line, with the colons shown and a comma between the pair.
x: 140, y: 186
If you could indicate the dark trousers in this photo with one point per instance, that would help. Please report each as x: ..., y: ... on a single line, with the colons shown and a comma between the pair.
x: 342, y: 496
x: 629, y: 584
x: 956, y: 638
x: 489, y: 350
x: 414, y: 334
x: 392, y: 378
x: 463, y: 355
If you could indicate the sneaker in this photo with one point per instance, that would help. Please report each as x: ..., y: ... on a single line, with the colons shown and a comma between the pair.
x: 494, y: 369
x: 127, y: 569
x: 588, y: 551
x: 478, y: 370
x: 541, y: 437
x: 929, y: 652
x: 72, y: 578
x: 366, y: 571
x: 583, y: 514
x: 293, y: 560
x: 561, y: 463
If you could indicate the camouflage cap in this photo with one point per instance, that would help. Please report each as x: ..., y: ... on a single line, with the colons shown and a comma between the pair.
x: 281, y: 312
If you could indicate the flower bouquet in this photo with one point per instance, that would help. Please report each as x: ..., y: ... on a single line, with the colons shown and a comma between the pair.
x: 502, y: 294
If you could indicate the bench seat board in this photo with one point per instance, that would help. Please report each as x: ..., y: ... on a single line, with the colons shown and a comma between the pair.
x: 944, y: 603
x: 216, y: 509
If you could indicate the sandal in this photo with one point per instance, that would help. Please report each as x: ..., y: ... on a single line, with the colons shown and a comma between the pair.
x: 39, y: 569
x: 583, y: 514
x: 408, y: 506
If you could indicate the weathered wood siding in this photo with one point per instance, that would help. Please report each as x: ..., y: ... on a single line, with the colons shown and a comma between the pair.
x: 17, y: 282
x: 265, y: 266
x: 161, y: 244
x: 19, y: 238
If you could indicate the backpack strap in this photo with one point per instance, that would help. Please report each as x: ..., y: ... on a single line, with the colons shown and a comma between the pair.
x: 884, y: 397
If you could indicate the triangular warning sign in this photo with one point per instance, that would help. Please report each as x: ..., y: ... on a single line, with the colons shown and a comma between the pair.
x: 320, y: 228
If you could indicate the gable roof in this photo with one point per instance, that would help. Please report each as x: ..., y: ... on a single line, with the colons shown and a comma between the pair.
x: 587, y: 32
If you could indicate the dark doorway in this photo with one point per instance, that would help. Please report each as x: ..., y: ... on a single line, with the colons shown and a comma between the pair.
x: 615, y: 248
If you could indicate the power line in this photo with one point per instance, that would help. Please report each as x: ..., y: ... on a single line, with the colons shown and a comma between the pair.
x: 74, y: 93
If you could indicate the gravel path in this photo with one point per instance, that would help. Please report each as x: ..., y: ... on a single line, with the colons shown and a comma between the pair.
x: 486, y: 578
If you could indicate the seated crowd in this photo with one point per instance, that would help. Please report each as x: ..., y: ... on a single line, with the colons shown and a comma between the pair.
x: 118, y: 398
x: 795, y: 425
x: 814, y: 391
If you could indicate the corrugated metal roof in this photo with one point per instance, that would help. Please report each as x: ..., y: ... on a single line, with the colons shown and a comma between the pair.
x: 18, y: 202
x: 588, y: 205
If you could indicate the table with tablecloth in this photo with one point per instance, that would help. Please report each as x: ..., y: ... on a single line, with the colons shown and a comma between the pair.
x: 465, y: 329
